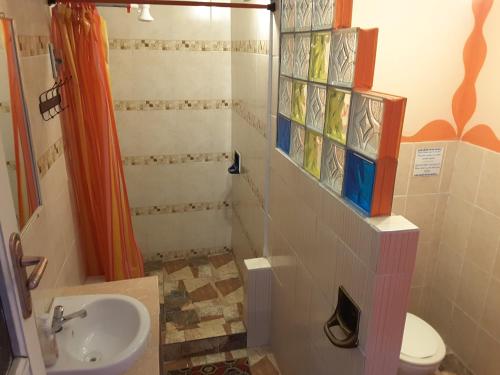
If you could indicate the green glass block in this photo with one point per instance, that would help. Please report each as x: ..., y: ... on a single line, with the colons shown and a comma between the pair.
x: 312, y: 156
x: 337, y: 114
x: 299, y: 99
x: 319, y: 55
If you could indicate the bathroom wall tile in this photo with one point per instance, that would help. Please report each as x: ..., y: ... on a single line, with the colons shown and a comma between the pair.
x: 483, y: 240
x: 323, y: 264
x: 489, y: 320
x: 439, y: 311
x: 448, y: 166
x: 147, y: 187
x: 489, y: 183
x: 301, y: 55
x: 457, y: 224
x: 463, y: 335
x: 183, y: 70
x: 420, y: 210
x: 145, y: 132
x: 405, y: 164
x: 486, y: 359
x: 398, y: 205
x: 447, y: 276
x: 472, y: 290
x: 466, y: 173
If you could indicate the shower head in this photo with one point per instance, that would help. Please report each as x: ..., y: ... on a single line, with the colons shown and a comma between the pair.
x: 145, y: 14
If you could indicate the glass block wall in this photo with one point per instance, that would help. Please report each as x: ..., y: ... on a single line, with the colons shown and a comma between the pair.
x: 329, y: 122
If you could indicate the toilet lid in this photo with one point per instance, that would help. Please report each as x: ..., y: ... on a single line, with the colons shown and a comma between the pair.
x: 420, y: 340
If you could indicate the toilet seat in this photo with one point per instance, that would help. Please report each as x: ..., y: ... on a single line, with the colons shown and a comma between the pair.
x: 422, y: 345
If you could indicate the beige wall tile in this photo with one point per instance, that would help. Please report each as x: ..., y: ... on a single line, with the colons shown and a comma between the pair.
x: 472, y: 290
x: 448, y: 166
x: 457, y: 224
x: 486, y: 360
x: 420, y: 210
x: 483, y: 241
x: 490, y: 321
x: 489, y: 184
x: 463, y: 335
x: 405, y: 163
x: 466, y: 172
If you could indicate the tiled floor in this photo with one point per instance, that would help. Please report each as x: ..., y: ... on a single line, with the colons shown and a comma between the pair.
x: 201, y: 297
x: 261, y: 360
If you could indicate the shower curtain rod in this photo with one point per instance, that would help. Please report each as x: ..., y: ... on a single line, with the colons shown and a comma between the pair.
x: 271, y: 6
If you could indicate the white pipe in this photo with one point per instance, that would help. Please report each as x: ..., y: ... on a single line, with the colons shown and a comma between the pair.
x: 270, y: 146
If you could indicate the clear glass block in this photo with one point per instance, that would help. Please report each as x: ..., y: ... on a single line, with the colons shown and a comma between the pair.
x: 319, y: 56
x: 316, y: 101
x: 332, y: 168
x: 302, y: 46
x: 359, y: 180
x: 312, y: 155
x: 338, y: 102
x: 299, y: 100
x: 287, y: 54
x: 303, y: 14
x: 343, y: 57
x: 285, y: 96
x: 297, y: 143
x: 287, y: 15
x: 283, y: 134
x: 365, y: 124
x: 322, y: 14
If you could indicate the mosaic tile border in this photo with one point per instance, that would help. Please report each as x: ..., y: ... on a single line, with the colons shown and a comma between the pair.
x: 175, y: 159
x: 251, y: 119
x: 260, y: 47
x: 4, y: 107
x: 179, y: 208
x: 168, y: 105
x: 33, y: 45
x: 170, y: 45
x: 246, y: 46
x: 49, y: 157
x: 163, y: 256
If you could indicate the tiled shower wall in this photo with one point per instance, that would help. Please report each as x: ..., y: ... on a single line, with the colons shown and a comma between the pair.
x: 249, y: 135
x: 171, y: 86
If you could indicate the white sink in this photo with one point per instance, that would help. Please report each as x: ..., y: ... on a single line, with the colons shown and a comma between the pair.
x: 107, y: 341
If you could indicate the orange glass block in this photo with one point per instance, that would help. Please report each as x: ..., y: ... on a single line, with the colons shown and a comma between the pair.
x: 352, y: 58
x: 343, y: 14
x: 387, y: 161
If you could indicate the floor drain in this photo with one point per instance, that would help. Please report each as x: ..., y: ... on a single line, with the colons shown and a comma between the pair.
x: 93, y: 357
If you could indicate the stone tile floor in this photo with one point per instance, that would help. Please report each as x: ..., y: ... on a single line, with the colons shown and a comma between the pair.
x: 200, y: 297
x: 261, y: 360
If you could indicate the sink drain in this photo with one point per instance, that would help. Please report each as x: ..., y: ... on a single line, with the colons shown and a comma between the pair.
x: 93, y: 357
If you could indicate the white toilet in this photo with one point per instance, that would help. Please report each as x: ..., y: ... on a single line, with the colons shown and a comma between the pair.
x: 423, y: 349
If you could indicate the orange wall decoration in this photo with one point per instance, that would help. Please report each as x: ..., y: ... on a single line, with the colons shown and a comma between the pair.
x: 464, y: 100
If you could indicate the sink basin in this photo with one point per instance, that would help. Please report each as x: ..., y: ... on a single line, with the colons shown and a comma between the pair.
x: 108, y: 341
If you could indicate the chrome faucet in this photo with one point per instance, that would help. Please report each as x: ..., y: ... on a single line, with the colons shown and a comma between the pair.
x: 59, y: 319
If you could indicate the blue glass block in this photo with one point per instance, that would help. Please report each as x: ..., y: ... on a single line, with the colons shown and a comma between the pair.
x: 359, y: 180
x: 283, y: 135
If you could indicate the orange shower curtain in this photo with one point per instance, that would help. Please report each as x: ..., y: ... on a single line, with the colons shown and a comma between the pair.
x: 25, y: 174
x: 92, y: 149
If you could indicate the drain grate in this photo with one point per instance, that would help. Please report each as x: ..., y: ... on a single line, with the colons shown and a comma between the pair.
x: 94, y: 356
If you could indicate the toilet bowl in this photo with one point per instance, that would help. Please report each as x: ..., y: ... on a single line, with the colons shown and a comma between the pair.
x: 422, y: 350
